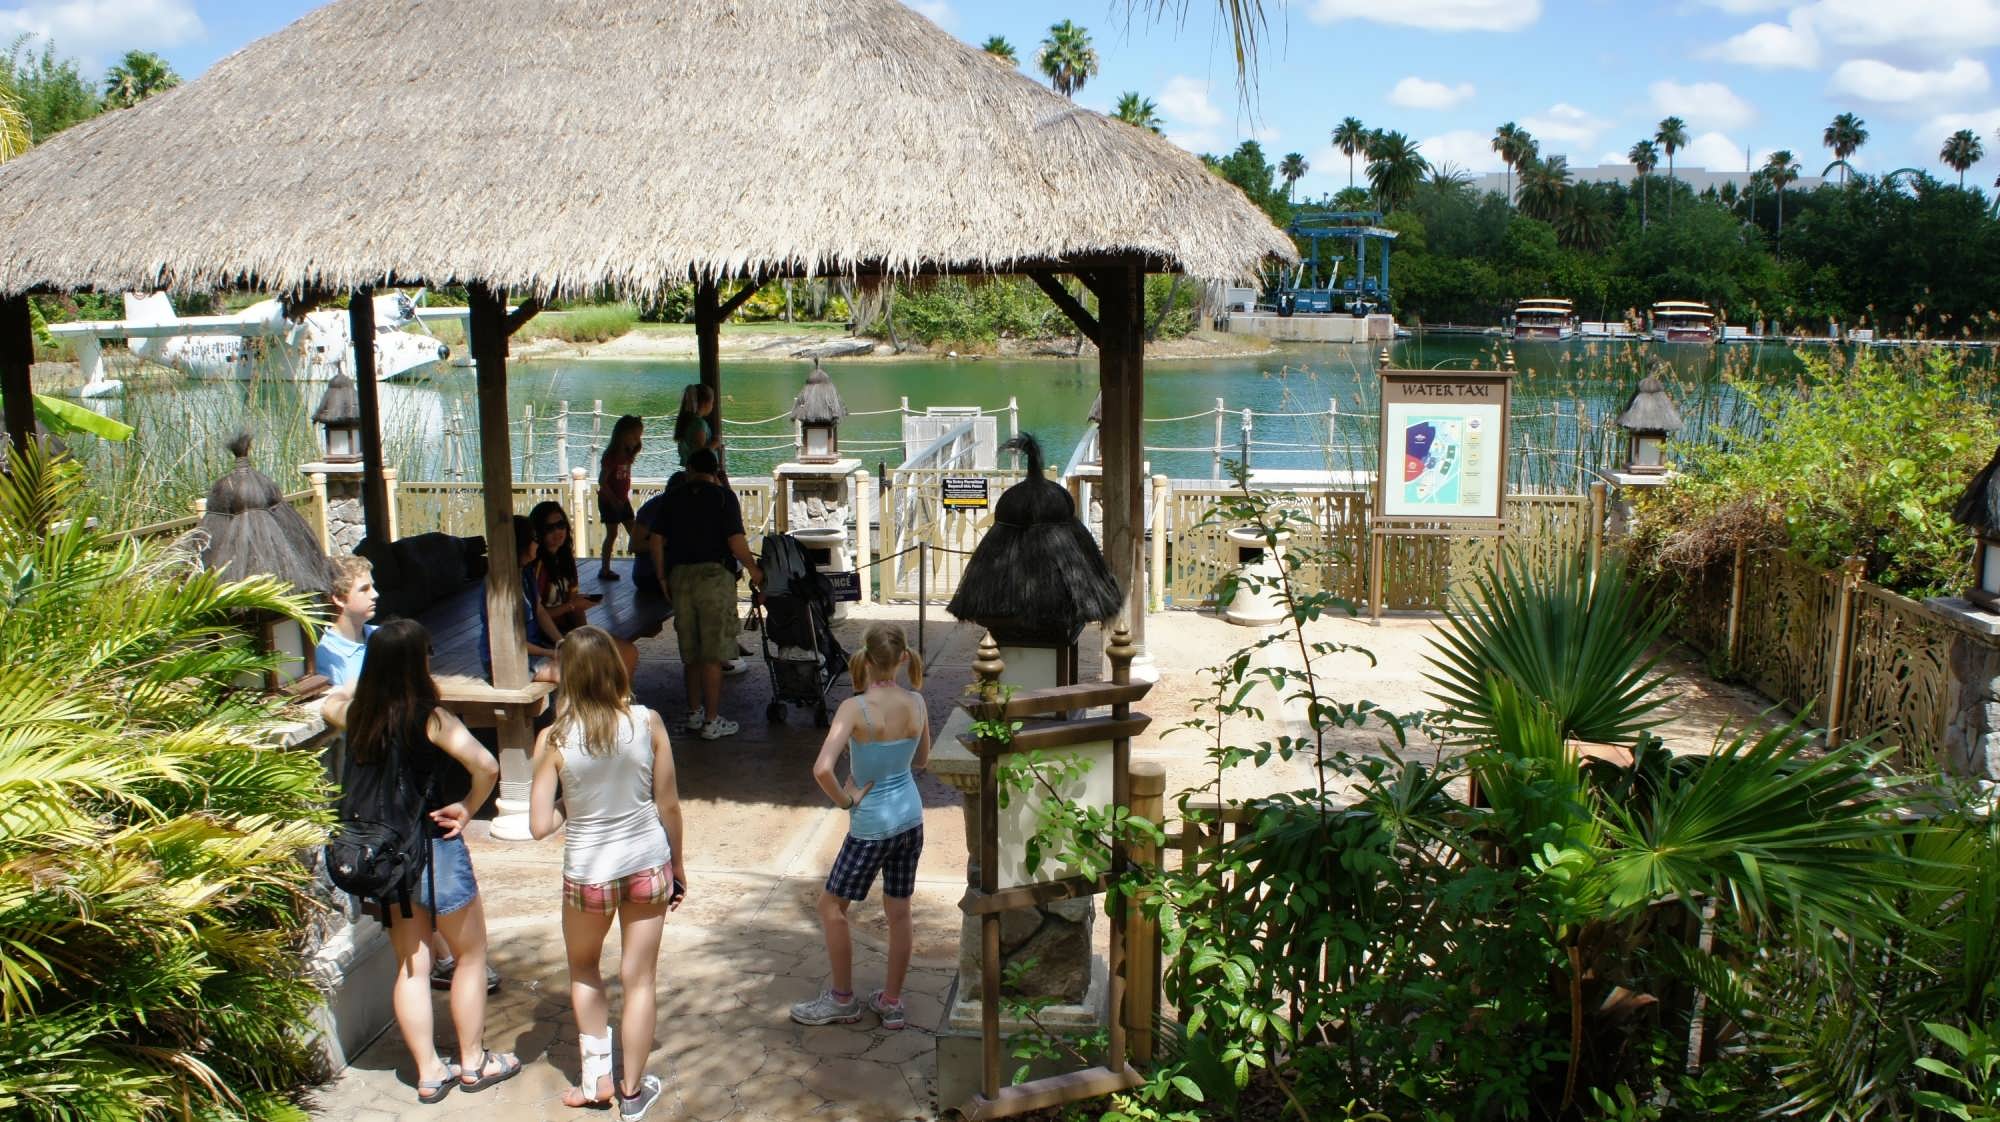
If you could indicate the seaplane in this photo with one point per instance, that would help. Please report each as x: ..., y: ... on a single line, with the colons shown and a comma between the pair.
x: 257, y: 341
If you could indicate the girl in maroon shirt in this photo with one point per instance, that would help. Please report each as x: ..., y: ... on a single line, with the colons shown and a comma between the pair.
x: 614, y: 486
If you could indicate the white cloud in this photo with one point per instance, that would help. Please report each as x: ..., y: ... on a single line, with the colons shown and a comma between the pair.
x: 1433, y: 15
x: 1929, y: 29
x: 1745, y: 7
x: 1564, y: 124
x: 1702, y: 103
x: 1983, y: 122
x: 1422, y: 93
x: 937, y: 11
x: 1773, y: 46
x: 1915, y: 91
x: 1468, y: 148
x: 1612, y: 159
x: 1711, y: 151
x: 97, y: 30
x: 1193, y: 120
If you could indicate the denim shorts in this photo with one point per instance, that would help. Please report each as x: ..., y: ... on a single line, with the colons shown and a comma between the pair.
x: 451, y: 866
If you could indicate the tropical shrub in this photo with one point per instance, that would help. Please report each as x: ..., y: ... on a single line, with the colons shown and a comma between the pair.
x: 1862, y: 458
x: 153, y: 906
x: 598, y: 323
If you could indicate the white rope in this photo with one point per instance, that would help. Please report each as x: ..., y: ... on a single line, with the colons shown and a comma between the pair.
x: 1209, y: 412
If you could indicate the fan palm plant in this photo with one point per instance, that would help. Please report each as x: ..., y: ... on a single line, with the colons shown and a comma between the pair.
x: 1545, y: 188
x: 1645, y: 156
x: 1962, y: 150
x: 1672, y: 136
x: 1513, y: 144
x: 1139, y: 112
x: 1395, y: 169
x: 16, y: 136
x: 152, y: 903
x: 1291, y: 169
x: 1000, y: 48
x: 1067, y: 58
x: 1845, y: 136
x: 136, y: 77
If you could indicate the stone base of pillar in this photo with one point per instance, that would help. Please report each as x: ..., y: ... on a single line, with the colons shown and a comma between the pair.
x: 960, y: 1054
x: 1144, y: 668
x: 356, y: 969
x: 510, y: 821
x: 1972, y: 689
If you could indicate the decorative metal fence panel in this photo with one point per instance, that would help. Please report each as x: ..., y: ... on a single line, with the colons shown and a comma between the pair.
x: 459, y: 509
x: 1330, y: 525
x: 1898, y: 672
x: 1787, y: 627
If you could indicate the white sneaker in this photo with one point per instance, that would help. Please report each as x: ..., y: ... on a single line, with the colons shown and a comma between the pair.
x: 719, y: 728
x: 732, y: 667
x: 695, y: 719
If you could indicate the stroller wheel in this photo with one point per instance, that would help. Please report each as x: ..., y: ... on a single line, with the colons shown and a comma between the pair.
x: 775, y: 712
x: 820, y: 716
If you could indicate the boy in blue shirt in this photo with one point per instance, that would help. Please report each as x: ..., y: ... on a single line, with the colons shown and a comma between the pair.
x: 344, y: 644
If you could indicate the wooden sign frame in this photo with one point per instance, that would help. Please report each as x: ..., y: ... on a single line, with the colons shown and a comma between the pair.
x: 1442, y: 387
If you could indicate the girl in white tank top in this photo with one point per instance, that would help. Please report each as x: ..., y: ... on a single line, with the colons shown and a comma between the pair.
x: 622, y: 856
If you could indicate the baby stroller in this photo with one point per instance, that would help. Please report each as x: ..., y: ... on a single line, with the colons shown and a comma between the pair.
x: 797, y: 636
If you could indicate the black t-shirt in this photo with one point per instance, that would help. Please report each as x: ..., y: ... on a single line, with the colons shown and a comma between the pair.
x: 696, y: 518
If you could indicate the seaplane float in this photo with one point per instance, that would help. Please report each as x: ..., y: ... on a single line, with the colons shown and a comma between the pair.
x: 257, y: 341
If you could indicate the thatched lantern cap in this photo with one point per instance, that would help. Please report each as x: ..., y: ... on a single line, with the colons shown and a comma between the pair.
x: 252, y: 530
x: 1037, y: 576
x: 1650, y: 409
x: 340, y: 404
x: 818, y: 402
x: 1978, y: 508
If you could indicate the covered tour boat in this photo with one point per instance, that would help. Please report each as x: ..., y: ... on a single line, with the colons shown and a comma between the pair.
x: 1544, y: 318
x: 1683, y: 321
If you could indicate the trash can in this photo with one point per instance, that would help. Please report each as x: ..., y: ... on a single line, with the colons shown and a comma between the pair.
x: 1259, y: 568
x: 826, y: 548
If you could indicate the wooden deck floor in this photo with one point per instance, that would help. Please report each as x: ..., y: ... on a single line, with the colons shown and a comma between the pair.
x: 454, y: 623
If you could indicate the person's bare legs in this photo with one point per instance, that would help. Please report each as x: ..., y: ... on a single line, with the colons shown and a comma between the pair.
x: 628, y: 653
x: 610, y: 544
x: 411, y: 997
x: 897, y: 911
x: 839, y: 941
x: 465, y: 932
x: 583, y: 941
x: 711, y: 688
x: 640, y: 927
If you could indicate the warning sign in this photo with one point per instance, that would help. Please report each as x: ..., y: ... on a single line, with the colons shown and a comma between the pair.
x: 965, y: 492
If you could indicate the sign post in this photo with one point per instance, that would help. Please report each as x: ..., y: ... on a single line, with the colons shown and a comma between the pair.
x: 1444, y: 454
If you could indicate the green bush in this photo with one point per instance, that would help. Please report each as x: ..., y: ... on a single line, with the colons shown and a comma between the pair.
x: 153, y: 907
x: 597, y: 324
x: 1859, y: 459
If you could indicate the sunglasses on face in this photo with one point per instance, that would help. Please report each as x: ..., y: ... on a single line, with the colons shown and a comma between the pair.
x: 552, y: 527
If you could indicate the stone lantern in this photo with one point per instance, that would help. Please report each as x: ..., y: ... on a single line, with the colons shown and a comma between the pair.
x: 339, y: 418
x: 252, y: 531
x: 818, y: 411
x: 1979, y: 510
x: 1648, y: 419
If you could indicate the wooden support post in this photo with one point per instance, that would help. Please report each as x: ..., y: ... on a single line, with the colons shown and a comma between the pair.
x: 862, y: 483
x: 562, y: 445
x: 528, y: 443
x: 1215, y: 465
x: 1846, y: 581
x: 389, y: 504
x: 1732, y: 632
x: 317, y: 480
x: 1119, y: 654
x: 988, y: 668
x: 375, y: 517
x: 708, y: 345
x: 584, y: 519
x: 1121, y: 359
x: 1157, y: 583
x: 17, y: 358
x: 486, y: 332
x: 1142, y: 936
x: 1598, y: 497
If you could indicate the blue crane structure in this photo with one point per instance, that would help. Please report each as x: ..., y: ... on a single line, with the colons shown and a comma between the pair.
x: 1312, y: 288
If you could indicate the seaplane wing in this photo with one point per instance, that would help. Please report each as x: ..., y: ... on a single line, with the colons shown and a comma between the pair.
x: 257, y: 340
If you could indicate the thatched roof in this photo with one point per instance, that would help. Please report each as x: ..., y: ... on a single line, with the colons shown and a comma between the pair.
x: 818, y: 402
x: 555, y: 147
x: 1650, y: 409
x: 1979, y: 507
x: 252, y: 530
x: 341, y: 404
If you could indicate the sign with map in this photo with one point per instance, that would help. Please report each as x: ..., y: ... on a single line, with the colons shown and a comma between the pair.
x: 1444, y: 445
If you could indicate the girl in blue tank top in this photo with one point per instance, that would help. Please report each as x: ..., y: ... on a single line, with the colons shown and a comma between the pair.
x: 885, y: 731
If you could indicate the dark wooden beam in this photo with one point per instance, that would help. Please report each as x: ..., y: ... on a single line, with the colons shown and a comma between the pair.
x: 17, y: 358
x: 1070, y: 306
x: 1121, y: 376
x: 523, y: 312
x: 486, y: 334
x: 730, y: 305
x: 374, y: 486
x: 708, y: 344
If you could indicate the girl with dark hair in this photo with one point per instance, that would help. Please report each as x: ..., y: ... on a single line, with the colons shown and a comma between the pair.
x: 393, y: 714
x: 614, y: 486
x: 560, y: 605
x: 693, y: 430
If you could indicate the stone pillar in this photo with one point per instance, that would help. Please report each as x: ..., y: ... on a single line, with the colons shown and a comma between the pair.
x: 1625, y: 487
x: 1972, y: 689
x: 346, y: 524
x: 1057, y: 936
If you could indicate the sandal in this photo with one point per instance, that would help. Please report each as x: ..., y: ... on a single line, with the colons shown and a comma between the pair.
x: 433, y: 1091
x: 509, y: 1068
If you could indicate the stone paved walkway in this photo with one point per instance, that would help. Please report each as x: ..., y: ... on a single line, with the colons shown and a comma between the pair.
x: 760, y: 837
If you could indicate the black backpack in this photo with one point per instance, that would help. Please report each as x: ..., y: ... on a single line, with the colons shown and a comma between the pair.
x: 381, y: 846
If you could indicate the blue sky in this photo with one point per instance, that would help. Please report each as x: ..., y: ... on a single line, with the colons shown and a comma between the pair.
x: 1588, y: 77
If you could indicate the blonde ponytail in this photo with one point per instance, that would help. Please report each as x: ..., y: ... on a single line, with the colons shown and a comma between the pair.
x: 882, y: 647
x: 857, y: 670
x: 916, y: 671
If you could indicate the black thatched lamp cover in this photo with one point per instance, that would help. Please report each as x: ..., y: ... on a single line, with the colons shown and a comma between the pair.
x: 253, y: 531
x: 818, y: 411
x: 1037, y: 577
x: 1979, y: 509
x: 1647, y: 420
x: 339, y: 418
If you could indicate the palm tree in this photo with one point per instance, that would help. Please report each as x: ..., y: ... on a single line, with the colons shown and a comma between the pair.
x: 1350, y: 136
x: 1000, y: 48
x: 1067, y: 59
x: 1672, y: 137
x: 1584, y: 221
x: 1139, y: 112
x: 1512, y: 143
x: 138, y: 76
x: 1544, y: 187
x: 1291, y: 169
x: 1448, y: 179
x: 1645, y: 156
x: 1395, y: 168
x: 1845, y: 136
x: 1962, y: 150
x: 1781, y: 169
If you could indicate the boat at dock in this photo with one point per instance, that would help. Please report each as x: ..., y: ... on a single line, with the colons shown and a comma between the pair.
x: 1683, y: 321
x: 1545, y: 317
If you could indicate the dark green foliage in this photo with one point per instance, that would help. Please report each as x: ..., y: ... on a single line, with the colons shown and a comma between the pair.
x: 52, y: 93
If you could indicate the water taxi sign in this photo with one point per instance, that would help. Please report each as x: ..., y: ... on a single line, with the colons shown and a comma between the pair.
x: 1444, y: 445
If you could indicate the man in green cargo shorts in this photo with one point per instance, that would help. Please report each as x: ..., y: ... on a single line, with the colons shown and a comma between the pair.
x: 704, y: 548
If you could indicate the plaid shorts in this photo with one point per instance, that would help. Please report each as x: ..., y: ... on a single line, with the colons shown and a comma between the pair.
x: 895, y: 857
x: 647, y: 886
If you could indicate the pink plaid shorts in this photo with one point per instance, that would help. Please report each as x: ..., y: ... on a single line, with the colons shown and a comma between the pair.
x: 647, y: 886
